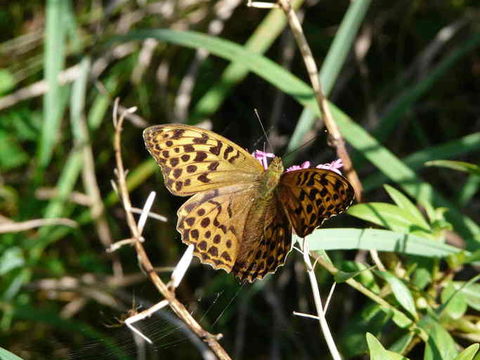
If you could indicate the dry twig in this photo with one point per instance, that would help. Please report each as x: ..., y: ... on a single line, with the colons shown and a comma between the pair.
x: 9, y: 227
x: 177, y: 307
x: 336, y: 138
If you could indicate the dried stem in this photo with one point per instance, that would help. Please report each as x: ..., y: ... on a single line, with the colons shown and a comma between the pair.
x: 177, y: 307
x: 336, y: 138
x: 318, y: 303
x: 11, y: 226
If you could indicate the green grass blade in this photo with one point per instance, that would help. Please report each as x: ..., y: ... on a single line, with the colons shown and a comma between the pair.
x: 464, y: 145
x: 456, y: 165
x: 378, y: 352
x: 403, y: 202
x: 53, y: 63
x: 336, y: 57
x: 380, y: 240
x: 7, y: 355
x: 468, y: 353
x: 468, y: 191
x: 72, y: 168
x: 401, y: 292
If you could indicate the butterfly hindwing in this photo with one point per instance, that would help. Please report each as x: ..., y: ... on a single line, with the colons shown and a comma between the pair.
x: 234, y: 229
x: 193, y: 159
x: 266, y: 244
x: 214, y: 221
x: 311, y: 196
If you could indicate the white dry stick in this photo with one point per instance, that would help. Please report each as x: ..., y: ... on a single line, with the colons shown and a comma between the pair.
x: 182, y: 266
x: 376, y: 260
x: 310, y: 316
x: 145, y: 211
x: 142, y: 315
x: 177, y: 274
x: 151, y: 214
x: 330, y: 294
x: 262, y: 4
x: 318, y: 303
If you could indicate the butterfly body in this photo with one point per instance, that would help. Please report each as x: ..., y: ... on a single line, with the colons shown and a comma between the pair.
x: 271, y: 176
x: 240, y: 217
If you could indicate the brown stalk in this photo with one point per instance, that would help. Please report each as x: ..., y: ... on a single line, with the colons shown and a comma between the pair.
x: 11, y: 226
x: 336, y: 138
x: 176, y: 306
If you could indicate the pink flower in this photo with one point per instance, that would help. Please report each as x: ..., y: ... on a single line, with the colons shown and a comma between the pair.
x: 305, y: 165
x: 263, y: 156
x: 334, y: 166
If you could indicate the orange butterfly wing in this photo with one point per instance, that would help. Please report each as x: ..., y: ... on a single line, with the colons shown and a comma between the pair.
x: 311, y: 196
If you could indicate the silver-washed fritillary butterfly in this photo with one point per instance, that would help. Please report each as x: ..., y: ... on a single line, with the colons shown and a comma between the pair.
x: 240, y: 217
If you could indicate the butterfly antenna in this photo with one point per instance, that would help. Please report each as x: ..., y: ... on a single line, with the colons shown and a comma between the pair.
x: 263, y: 129
x: 286, y: 157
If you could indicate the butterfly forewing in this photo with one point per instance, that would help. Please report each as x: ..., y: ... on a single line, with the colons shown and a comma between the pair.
x: 194, y: 159
x: 311, y: 196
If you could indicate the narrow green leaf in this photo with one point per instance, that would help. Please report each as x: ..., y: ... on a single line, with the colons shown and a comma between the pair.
x: 469, y: 353
x: 378, y: 352
x: 471, y: 293
x: 402, y: 344
x: 440, y: 345
x: 54, y: 59
x: 7, y: 355
x: 468, y: 190
x: 404, y: 203
x: 386, y: 215
x: 455, y: 304
x: 11, y: 258
x: 450, y: 149
x: 363, y: 274
x: 400, y: 291
x: 456, y: 165
x: 376, y: 239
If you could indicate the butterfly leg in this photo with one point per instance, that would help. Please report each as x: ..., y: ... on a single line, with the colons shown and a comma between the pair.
x: 142, y: 315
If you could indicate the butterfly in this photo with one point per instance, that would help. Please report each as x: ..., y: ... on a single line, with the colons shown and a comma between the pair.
x: 241, y: 215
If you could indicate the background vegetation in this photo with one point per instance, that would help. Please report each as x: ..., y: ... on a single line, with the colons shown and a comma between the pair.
x: 405, y: 79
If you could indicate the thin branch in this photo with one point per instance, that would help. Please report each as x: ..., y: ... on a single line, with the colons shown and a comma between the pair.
x: 75, y: 196
x: 318, y: 303
x: 177, y: 307
x: 10, y: 227
x: 336, y: 138
x: 150, y: 214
